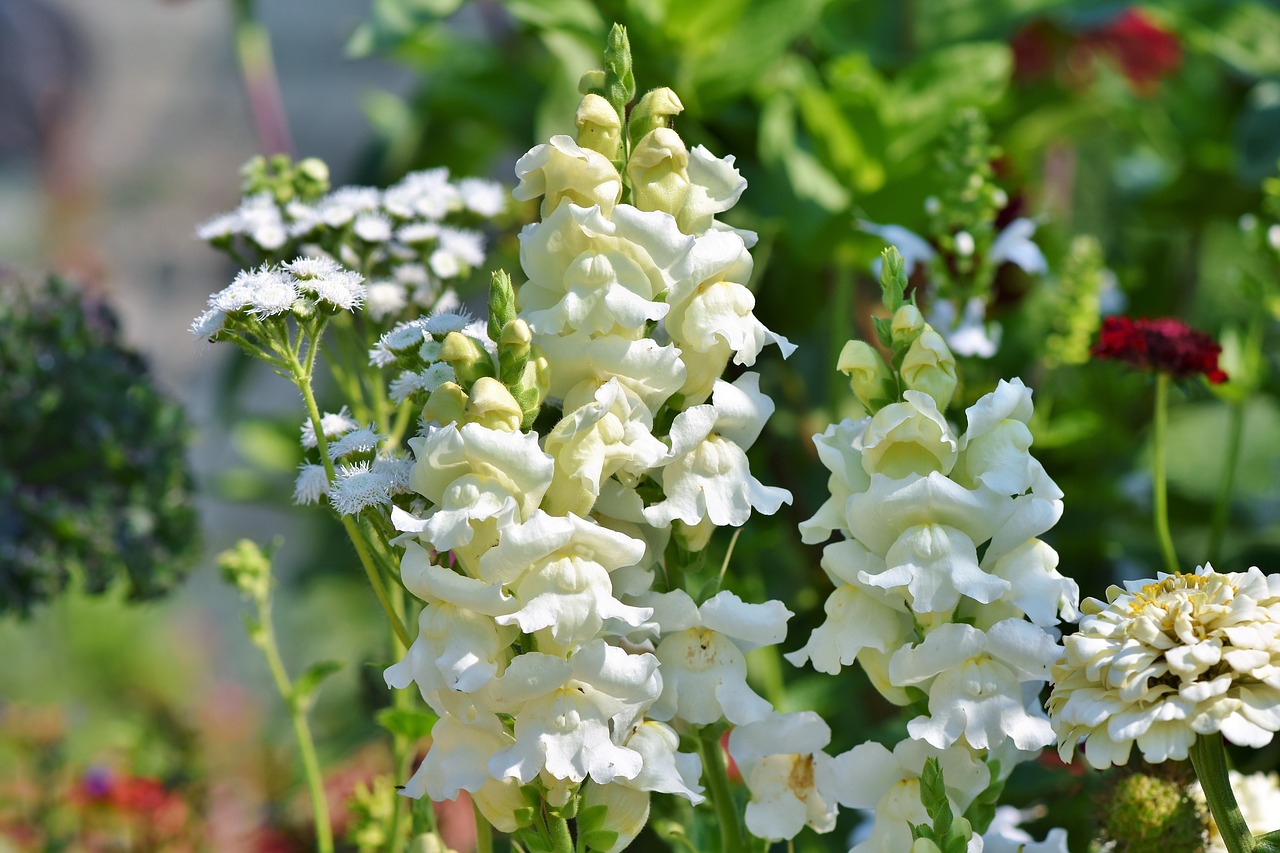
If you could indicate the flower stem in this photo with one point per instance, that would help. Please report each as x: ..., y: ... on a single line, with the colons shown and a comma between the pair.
x: 301, y: 728
x: 484, y: 832
x: 1160, y: 488
x: 1210, y: 762
x: 1235, y: 436
x: 561, y: 840
x: 717, y: 776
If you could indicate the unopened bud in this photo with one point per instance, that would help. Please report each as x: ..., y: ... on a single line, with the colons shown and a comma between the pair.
x: 930, y: 367
x: 247, y: 568
x: 659, y: 171
x: 907, y: 325
x: 599, y: 127
x: 490, y: 404
x: 656, y: 109
x: 467, y: 357
x: 514, y: 346
x: 869, y: 377
x: 446, y: 405
x: 626, y: 811
x: 592, y: 81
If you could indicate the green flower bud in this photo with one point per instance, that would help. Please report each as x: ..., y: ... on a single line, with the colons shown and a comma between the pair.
x: 930, y: 367
x: 658, y: 171
x: 869, y: 377
x: 599, y: 127
x: 907, y: 325
x: 615, y: 814
x: 502, y: 303
x: 656, y: 109
x: 446, y: 405
x: 515, y: 343
x: 311, y: 178
x: 247, y: 568
x: 591, y: 82
x: 1150, y: 811
x: 429, y: 842
x: 467, y: 357
x: 490, y: 404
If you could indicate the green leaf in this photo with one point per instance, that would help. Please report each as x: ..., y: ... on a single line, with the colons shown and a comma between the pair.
x: 599, y: 839
x: 305, y: 686
x: 412, y: 724
x: 838, y: 139
x: 592, y: 818
x: 1269, y: 843
x: 924, y: 97
x: 933, y: 795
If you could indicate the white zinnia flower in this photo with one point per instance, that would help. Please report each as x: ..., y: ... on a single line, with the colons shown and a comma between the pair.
x: 1161, y: 662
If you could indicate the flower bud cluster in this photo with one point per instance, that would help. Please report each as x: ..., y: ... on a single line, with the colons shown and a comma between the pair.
x: 945, y: 594
x: 559, y: 657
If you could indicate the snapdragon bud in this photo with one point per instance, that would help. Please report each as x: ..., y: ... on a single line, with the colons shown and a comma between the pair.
x: 467, y: 357
x: 430, y: 842
x: 533, y: 385
x: 693, y: 537
x: 659, y: 171
x: 869, y: 377
x: 514, y: 346
x: 656, y: 109
x: 613, y: 815
x: 930, y: 367
x: 599, y: 127
x: 906, y: 326
x: 591, y: 81
x: 446, y: 405
x: 490, y: 404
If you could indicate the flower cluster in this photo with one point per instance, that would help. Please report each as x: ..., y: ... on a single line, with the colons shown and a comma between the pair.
x: 1163, y: 661
x: 554, y: 651
x: 944, y: 593
x: 1164, y: 345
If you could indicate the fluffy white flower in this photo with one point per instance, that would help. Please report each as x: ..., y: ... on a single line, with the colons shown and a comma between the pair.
x: 385, y: 298
x: 360, y: 440
x: 793, y: 783
x: 312, y: 483
x: 487, y: 198
x: 706, y: 474
x: 343, y: 290
x: 259, y: 219
x: 561, y: 170
x: 563, y: 710
x: 428, y: 380
x: 312, y: 266
x: 372, y: 227
x: 331, y: 424
x: 703, y: 664
x: 358, y: 487
x: 1163, y: 661
x: 209, y: 323
x: 425, y: 193
x: 975, y: 684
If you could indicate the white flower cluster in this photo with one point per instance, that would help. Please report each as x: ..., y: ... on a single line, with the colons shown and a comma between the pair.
x: 544, y: 645
x: 398, y: 237
x: 1163, y: 661
x: 298, y: 288
x: 944, y: 592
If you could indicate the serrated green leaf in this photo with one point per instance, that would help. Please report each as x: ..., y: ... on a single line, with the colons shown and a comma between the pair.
x: 413, y: 724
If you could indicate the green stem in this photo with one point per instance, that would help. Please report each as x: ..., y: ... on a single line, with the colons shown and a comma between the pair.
x: 484, y: 832
x: 1235, y: 435
x: 1160, y: 486
x: 301, y: 729
x: 1210, y: 762
x: 400, y: 745
x: 717, y: 776
x: 561, y: 840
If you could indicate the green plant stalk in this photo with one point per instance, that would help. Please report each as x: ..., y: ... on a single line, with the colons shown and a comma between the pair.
x: 258, y: 68
x: 561, y: 840
x: 302, y: 378
x: 1209, y: 759
x: 1235, y: 437
x: 301, y: 729
x: 398, y: 832
x: 1160, y: 486
x: 717, y: 775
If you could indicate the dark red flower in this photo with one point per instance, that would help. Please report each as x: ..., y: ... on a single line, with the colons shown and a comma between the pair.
x: 1165, y: 345
x: 1145, y: 52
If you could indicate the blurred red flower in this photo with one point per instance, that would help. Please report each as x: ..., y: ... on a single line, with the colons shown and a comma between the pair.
x: 1165, y: 345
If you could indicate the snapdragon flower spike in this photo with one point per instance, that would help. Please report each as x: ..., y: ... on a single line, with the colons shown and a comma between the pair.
x: 1164, y: 345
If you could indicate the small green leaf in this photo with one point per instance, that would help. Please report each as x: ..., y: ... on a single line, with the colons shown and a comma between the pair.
x: 893, y: 278
x: 413, y: 724
x: 599, y: 839
x: 1269, y: 843
x: 592, y: 818
x: 304, y: 688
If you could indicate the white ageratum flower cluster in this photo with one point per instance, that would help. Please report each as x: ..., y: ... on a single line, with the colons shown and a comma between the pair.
x: 944, y: 593
x: 543, y: 644
x: 295, y: 289
x: 410, y: 240
x: 1163, y: 661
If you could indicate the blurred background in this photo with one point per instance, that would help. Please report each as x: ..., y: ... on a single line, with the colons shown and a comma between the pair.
x: 1138, y: 139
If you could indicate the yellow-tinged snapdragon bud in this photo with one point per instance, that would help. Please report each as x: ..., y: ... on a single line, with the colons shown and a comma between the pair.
x: 906, y: 326
x: 694, y: 537
x: 514, y: 347
x: 627, y: 813
x: 599, y: 127
x: 490, y: 404
x: 532, y: 386
x: 429, y: 842
x: 656, y: 109
x: 924, y: 845
x: 446, y: 405
x: 869, y: 377
x: 466, y: 356
x: 930, y: 367
x: 591, y: 81
x: 659, y: 171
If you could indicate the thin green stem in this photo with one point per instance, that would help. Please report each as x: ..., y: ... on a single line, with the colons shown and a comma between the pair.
x: 400, y: 745
x: 561, y: 840
x: 1160, y: 487
x: 301, y: 728
x: 484, y: 832
x: 1218, y: 528
x: 717, y: 776
x: 1209, y: 759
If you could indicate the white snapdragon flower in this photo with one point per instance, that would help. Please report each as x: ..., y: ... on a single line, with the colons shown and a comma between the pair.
x: 1257, y: 794
x: 871, y: 777
x: 1163, y: 661
x: 975, y: 684
x: 563, y: 710
x: 911, y: 437
x: 558, y: 569
x: 593, y: 273
x: 994, y: 447
x: 610, y: 436
x: 840, y: 451
x: 792, y: 782
x: 859, y: 616
x: 647, y: 370
x: 703, y: 656
x: 715, y: 185
x: 706, y: 474
x: 459, y: 756
x: 879, y: 516
x: 1004, y: 835
x: 561, y: 170
x: 471, y: 474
